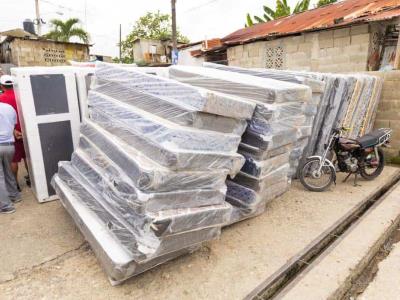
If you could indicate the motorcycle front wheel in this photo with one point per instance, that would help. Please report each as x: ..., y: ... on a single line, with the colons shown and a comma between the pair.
x: 316, y: 181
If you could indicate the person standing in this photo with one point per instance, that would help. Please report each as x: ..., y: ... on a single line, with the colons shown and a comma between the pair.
x: 8, y: 97
x: 8, y: 186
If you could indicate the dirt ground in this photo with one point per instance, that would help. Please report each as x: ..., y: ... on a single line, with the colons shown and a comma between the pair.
x: 45, y: 257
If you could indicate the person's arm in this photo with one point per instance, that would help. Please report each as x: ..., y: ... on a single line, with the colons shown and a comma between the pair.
x: 17, y: 134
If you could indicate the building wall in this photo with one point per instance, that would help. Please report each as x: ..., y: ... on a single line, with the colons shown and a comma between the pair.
x: 340, y: 50
x: 142, y: 51
x: 388, y: 115
x: 22, y: 52
x: 186, y: 59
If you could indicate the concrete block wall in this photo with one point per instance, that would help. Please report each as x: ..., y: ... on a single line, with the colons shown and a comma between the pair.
x: 45, y: 53
x: 340, y: 50
x: 388, y: 114
x: 248, y: 56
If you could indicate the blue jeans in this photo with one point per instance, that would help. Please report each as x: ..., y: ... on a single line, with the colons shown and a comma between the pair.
x: 8, y: 185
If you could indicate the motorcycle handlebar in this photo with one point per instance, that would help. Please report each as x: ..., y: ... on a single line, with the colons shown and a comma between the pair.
x: 338, y: 130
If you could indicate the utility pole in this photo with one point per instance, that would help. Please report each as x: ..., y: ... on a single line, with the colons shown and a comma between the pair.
x: 174, y: 38
x: 120, y: 42
x: 38, y: 19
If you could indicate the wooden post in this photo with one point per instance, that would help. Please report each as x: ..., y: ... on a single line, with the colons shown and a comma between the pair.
x: 174, y: 54
x: 38, y: 19
x: 173, y: 11
x: 120, y: 42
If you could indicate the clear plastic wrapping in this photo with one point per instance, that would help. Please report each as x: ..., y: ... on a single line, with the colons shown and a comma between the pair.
x: 261, y: 168
x: 265, y: 115
x: 147, y: 182
x: 359, y: 113
x: 250, y: 87
x: 259, y: 184
x: 114, y: 185
x: 316, y: 85
x: 163, y: 107
x: 270, y: 137
x: 146, y: 174
x: 172, y: 91
x: 248, y: 203
x: 148, y: 235
x: 160, y: 131
x: 260, y: 154
x: 173, y: 159
x: 118, y: 263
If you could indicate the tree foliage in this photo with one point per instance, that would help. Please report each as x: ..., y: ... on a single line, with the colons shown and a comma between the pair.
x: 155, y: 26
x: 282, y: 10
x: 325, y: 2
x: 64, y: 31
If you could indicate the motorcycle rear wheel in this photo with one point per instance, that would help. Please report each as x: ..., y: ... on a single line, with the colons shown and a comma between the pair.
x: 365, y: 168
x: 307, y: 176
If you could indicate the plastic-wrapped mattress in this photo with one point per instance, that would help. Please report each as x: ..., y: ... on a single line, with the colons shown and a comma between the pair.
x: 249, y: 87
x: 116, y: 185
x: 150, y: 168
x: 146, y: 235
x: 145, y: 173
x: 172, y: 91
x: 117, y: 262
x: 176, y: 112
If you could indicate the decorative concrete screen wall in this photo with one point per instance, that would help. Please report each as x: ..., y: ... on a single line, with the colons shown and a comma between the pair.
x: 340, y: 50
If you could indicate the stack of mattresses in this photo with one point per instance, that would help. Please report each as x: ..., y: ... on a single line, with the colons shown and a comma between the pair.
x: 310, y: 109
x: 343, y: 101
x: 348, y: 101
x: 361, y: 111
x: 147, y: 183
x: 278, y: 123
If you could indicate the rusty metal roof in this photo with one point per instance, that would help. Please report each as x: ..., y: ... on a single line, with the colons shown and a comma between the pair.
x: 334, y: 15
x: 18, y: 33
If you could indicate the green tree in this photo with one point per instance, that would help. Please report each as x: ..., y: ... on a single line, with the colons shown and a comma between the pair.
x: 325, y: 2
x: 155, y: 26
x: 64, y: 31
x: 282, y: 10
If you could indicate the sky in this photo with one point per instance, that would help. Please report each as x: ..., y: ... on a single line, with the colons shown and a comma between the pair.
x: 197, y: 19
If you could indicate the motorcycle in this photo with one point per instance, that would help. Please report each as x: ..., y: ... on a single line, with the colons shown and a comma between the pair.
x: 362, y: 156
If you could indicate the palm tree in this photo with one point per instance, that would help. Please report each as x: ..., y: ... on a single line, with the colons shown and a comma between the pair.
x: 64, y: 31
x: 282, y: 10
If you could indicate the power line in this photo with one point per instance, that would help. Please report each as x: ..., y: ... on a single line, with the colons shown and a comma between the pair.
x: 62, y: 6
x: 200, y: 6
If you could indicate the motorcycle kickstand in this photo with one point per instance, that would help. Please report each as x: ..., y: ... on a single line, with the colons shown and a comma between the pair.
x: 347, y: 177
x: 355, y: 181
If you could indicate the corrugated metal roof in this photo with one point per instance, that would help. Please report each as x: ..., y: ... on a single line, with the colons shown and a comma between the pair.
x: 333, y: 15
x: 18, y: 33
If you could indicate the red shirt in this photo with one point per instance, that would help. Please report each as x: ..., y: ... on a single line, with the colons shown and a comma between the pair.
x: 8, y: 97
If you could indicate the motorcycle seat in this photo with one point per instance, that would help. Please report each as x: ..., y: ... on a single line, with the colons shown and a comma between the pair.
x: 348, y: 144
x: 371, y: 139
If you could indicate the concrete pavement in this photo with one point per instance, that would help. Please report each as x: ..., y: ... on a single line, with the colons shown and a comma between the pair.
x: 386, y: 284
x: 46, y: 258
